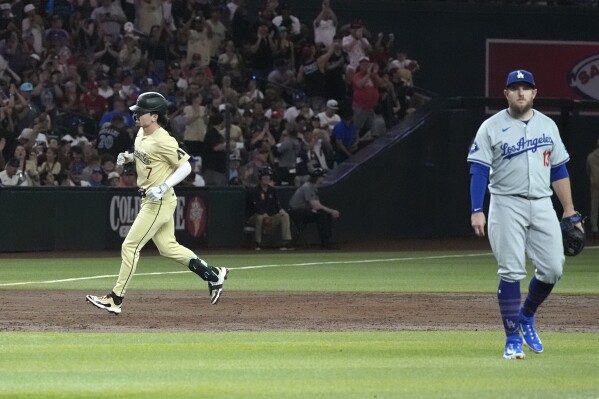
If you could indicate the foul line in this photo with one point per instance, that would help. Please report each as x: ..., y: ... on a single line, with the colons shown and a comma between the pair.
x: 337, y: 262
x: 67, y: 280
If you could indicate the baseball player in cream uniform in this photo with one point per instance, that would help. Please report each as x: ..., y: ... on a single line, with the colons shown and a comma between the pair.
x: 160, y: 164
x: 520, y: 153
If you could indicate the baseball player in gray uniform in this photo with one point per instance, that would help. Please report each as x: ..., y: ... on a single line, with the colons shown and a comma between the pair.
x: 519, y: 152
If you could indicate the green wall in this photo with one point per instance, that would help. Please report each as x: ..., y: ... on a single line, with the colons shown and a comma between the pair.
x: 48, y: 218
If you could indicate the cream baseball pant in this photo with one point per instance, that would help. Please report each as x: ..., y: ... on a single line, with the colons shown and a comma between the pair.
x: 155, y: 221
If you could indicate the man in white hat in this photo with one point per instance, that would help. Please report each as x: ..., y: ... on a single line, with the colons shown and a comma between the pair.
x: 33, y: 25
x: 329, y: 117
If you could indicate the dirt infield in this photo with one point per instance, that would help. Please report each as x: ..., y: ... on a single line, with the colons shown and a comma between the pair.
x: 67, y: 311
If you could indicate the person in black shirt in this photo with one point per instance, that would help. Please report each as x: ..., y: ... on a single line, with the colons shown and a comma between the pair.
x: 114, y: 138
x: 312, y: 75
x: 268, y: 213
x: 214, y: 161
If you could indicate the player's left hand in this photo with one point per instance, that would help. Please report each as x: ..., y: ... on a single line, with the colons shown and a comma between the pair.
x: 156, y: 193
x: 478, y: 222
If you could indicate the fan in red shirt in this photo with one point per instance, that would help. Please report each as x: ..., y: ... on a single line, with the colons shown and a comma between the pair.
x: 93, y: 102
x: 365, y: 82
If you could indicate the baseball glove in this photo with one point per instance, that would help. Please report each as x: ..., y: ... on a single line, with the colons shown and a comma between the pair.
x: 573, y: 238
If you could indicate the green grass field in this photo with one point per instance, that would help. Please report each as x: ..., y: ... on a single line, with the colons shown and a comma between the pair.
x: 401, y: 364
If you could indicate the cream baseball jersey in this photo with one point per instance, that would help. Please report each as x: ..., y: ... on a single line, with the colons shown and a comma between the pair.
x: 156, y: 157
x: 512, y: 148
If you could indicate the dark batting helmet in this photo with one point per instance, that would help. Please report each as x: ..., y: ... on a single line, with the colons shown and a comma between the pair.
x: 150, y: 102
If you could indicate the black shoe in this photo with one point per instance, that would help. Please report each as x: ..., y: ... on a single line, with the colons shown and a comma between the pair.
x: 286, y: 246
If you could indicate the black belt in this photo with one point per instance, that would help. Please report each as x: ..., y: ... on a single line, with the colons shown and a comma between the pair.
x: 142, y: 192
x: 526, y: 197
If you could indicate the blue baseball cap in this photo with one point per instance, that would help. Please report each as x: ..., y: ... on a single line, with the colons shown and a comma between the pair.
x: 26, y: 86
x: 518, y: 76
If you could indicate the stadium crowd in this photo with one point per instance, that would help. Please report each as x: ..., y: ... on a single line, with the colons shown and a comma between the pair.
x: 244, y: 91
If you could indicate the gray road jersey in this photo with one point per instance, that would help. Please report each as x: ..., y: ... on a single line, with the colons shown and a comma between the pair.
x: 519, y: 154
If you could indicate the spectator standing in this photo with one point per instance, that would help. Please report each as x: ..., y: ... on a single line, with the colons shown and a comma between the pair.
x: 261, y: 54
x: 267, y: 210
x: 325, y: 26
x: 148, y: 13
x: 305, y: 207
x: 402, y: 90
x: 365, y: 83
x: 356, y: 46
x: 199, y: 41
x: 241, y: 27
x: 219, y: 33
x: 32, y: 27
x: 228, y: 62
x: 157, y: 49
x: 25, y: 110
x: 335, y: 83
x: 287, y: 152
x: 291, y: 22
x: 110, y: 18
x: 119, y: 108
x: 232, y: 6
x: 592, y: 168
x: 130, y: 55
x: 402, y: 61
x: 214, y: 162
x: 311, y: 75
x: 284, y: 47
x: 250, y: 172
x: 94, y: 104
x: 56, y: 36
x: 196, y: 116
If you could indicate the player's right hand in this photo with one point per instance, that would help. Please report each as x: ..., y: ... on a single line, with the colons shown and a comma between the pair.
x: 124, y: 157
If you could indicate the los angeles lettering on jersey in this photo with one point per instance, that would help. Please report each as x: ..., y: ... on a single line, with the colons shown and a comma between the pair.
x: 524, y: 145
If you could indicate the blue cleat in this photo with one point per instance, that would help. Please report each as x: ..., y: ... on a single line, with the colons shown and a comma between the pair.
x: 513, y: 348
x: 529, y: 332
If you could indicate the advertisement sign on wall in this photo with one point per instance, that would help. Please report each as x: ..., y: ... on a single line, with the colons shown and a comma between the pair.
x: 190, y: 218
x: 561, y: 69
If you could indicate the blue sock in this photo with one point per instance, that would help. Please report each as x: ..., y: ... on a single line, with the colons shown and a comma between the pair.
x: 508, y: 296
x: 538, y: 291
